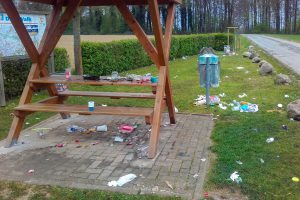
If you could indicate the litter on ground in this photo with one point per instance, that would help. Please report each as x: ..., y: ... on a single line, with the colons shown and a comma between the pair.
x: 295, y: 179
x: 222, y: 107
x: 122, y: 180
x: 242, y: 95
x: 239, y: 162
x: 235, y: 177
x: 270, y: 140
x: 201, y: 100
x: 261, y: 161
x: 169, y: 185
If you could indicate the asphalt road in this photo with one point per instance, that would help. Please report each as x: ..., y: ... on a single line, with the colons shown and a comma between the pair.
x: 287, y: 52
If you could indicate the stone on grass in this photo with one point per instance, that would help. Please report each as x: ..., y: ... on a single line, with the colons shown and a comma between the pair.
x: 251, y: 48
x: 253, y: 55
x: 293, y: 110
x: 266, y: 69
x: 246, y: 54
x: 261, y: 63
x: 256, y: 60
x: 281, y: 79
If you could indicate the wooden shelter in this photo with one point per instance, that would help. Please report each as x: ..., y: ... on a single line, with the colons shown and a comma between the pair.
x: 39, y: 78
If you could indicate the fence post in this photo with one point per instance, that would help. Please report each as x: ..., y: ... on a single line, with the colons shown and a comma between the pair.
x: 2, y: 91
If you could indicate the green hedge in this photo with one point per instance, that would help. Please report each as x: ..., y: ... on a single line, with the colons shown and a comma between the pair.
x: 16, y: 71
x: 61, y: 59
x: 103, y: 58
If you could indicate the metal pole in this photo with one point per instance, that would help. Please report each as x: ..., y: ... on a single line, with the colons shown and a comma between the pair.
x: 207, y: 82
x: 228, y: 36
x: 2, y: 91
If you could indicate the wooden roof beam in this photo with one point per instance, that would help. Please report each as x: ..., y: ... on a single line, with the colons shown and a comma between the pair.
x: 107, y: 2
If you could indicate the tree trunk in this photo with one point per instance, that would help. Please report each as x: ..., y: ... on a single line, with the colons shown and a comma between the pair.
x: 77, y: 47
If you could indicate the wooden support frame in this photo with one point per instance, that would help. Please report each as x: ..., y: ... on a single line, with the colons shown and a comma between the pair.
x: 57, y: 23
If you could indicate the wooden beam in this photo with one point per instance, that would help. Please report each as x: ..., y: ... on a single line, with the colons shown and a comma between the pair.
x: 169, y: 28
x: 157, y: 29
x: 138, y: 31
x: 15, y: 130
x: 158, y: 109
x: 2, y: 90
x: 20, y: 28
x: 59, y: 30
x: 51, y: 25
x: 107, y: 2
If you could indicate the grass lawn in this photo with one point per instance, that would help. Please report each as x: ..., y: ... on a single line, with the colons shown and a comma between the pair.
x: 294, y: 38
x: 237, y: 136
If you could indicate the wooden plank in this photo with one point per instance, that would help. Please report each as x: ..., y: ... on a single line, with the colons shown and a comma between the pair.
x: 14, y: 131
x: 23, y: 34
x: 162, y: 52
x: 157, y: 29
x: 59, y: 29
x: 79, y: 80
x: 138, y: 30
x: 108, y: 2
x: 108, y: 94
x: 81, y: 109
x: 2, y: 90
x: 169, y: 28
x: 157, y: 115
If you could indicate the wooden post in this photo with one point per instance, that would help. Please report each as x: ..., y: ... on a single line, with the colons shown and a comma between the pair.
x: 2, y: 91
x: 77, y: 47
x: 51, y: 64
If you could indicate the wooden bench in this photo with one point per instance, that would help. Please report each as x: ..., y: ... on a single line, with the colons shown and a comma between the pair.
x: 83, y: 110
x: 113, y: 95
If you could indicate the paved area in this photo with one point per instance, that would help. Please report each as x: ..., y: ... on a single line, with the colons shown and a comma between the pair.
x: 92, y: 160
x: 286, y: 52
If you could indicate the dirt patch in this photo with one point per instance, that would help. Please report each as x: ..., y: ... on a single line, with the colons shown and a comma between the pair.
x: 227, y: 194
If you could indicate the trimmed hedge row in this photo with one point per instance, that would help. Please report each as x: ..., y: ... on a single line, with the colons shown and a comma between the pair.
x: 16, y: 71
x: 103, y: 58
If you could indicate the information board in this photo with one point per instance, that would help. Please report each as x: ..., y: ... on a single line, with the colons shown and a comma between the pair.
x: 10, y: 44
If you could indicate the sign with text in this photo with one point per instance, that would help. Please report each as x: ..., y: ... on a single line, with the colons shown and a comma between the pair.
x: 10, y: 43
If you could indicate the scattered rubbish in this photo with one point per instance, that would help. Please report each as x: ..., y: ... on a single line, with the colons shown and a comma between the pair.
x: 247, y: 72
x: 226, y: 76
x: 284, y: 127
x: 30, y: 172
x: 75, y: 128
x: 176, y: 110
x: 60, y: 145
x: 184, y: 57
x: 222, y: 95
x: 239, y: 162
x: 222, y: 107
x: 122, y: 180
x: 205, y: 195
x: 203, y: 159
x: 77, y: 141
x: 37, y: 118
x: 27, y: 123
x: 195, y: 175
x: 292, y: 119
x: 261, y: 161
x: 295, y: 179
x: 118, y: 139
x: 235, y: 177
x: 201, y: 100
x: 169, y: 185
x: 91, y: 105
x: 142, y: 151
x: 240, y: 68
x: 103, y: 105
x: 279, y: 105
x: 242, y: 95
x: 270, y: 140
x: 286, y: 96
x: 244, y: 106
x: 126, y: 129
x: 102, y: 128
x: 95, y: 143
x: 41, y: 132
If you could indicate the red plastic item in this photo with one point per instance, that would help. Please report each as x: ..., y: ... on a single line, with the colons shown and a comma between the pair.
x: 206, y: 194
x: 60, y: 145
x: 126, y: 129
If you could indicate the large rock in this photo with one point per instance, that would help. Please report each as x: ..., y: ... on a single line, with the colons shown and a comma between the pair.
x: 293, y: 110
x: 266, y: 69
x: 256, y: 60
x: 251, y: 49
x: 281, y: 79
x: 253, y: 55
x: 246, y: 54
x: 261, y: 63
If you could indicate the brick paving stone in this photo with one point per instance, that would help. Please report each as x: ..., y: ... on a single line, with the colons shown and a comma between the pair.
x: 180, y: 149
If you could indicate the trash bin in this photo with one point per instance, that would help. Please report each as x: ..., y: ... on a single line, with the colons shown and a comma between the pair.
x: 213, y: 70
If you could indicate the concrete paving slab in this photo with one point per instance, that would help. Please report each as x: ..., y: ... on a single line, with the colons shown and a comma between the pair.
x: 92, y: 160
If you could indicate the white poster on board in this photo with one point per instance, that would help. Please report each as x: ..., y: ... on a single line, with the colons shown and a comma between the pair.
x: 10, y: 44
